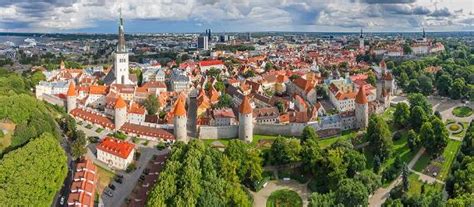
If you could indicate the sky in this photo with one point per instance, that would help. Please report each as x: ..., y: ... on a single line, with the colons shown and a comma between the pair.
x: 146, y: 16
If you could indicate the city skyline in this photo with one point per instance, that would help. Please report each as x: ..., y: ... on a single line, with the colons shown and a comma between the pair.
x: 84, y: 16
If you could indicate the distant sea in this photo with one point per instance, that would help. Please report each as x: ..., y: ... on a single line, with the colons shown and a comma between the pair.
x: 15, y: 39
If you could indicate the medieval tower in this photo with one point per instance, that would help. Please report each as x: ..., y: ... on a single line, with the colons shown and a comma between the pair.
x: 121, y: 57
x: 245, y: 120
x: 71, y: 97
x: 361, y: 108
x: 120, y: 114
x: 180, y: 120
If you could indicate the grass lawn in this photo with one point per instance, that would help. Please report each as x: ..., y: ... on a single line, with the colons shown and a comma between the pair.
x: 388, y: 114
x: 462, y: 111
x: 463, y: 132
x: 99, y: 130
x: 422, y: 162
x: 400, y: 148
x: 415, y: 185
x: 284, y: 198
x: 326, y: 142
x: 8, y: 129
x: 105, y: 177
x: 449, y: 155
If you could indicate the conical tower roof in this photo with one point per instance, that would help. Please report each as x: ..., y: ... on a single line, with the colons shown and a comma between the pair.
x: 71, y: 91
x: 179, y: 109
x: 361, y: 97
x: 120, y: 103
x: 245, y: 107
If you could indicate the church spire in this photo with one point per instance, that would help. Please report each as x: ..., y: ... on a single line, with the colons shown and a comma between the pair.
x: 424, y: 34
x: 121, y: 40
x: 361, y: 33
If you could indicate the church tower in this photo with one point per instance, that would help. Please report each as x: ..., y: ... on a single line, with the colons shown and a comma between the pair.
x: 361, y: 109
x: 246, y: 120
x: 121, y: 56
x: 361, y: 40
x: 71, y: 97
x: 120, y: 113
x: 180, y: 120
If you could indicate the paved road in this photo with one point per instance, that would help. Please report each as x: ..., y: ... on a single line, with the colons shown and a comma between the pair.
x: 382, y: 194
x: 130, y: 179
x: 260, y: 197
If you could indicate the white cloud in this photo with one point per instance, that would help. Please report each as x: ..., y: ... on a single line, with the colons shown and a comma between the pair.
x: 254, y: 15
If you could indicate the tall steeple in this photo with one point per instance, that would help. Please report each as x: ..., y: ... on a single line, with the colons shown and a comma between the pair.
x: 121, y: 39
x: 424, y: 34
x: 361, y: 33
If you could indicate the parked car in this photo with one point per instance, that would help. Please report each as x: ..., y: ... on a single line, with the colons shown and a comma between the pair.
x: 61, y: 201
x: 112, y: 186
x: 119, y: 180
x: 108, y: 192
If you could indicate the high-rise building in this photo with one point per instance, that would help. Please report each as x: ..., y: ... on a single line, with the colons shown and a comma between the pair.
x: 203, y: 42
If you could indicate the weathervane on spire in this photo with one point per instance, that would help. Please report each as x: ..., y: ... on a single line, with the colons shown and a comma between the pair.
x: 121, y: 39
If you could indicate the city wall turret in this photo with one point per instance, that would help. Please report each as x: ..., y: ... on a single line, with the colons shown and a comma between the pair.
x: 246, y: 120
x: 71, y: 97
x: 180, y: 120
x: 362, y: 108
x: 120, y: 113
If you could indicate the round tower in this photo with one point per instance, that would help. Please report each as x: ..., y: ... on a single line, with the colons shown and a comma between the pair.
x: 361, y: 109
x: 388, y: 82
x: 180, y: 120
x: 120, y: 114
x: 245, y: 120
x: 71, y: 97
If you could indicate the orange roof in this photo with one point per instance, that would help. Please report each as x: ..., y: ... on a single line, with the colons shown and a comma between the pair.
x: 116, y: 147
x: 135, y: 108
x: 98, y: 90
x: 388, y: 76
x: 245, y: 107
x: 361, y: 98
x: 179, y: 109
x: 120, y: 103
x: 210, y: 62
x: 71, y: 91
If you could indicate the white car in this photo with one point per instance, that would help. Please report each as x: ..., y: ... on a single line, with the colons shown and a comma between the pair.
x: 61, y: 201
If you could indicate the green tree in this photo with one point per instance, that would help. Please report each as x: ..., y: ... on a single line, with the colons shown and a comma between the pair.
x: 219, y: 85
x: 426, y: 84
x: 151, y: 104
x: 371, y: 180
x: 405, y: 174
x: 36, y: 77
x: 413, y: 140
x: 443, y: 84
x: 458, y: 89
x: 418, y: 99
x: 280, y: 106
x: 413, y: 86
x: 379, y: 136
x: 440, y: 136
x: 352, y: 193
x: 401, y: 116
x: 377, y: 164
x: 417, y: 117
x: 427, y: 136
x: 308, y: 133
x: 371, y: 79
x: 225, y: 101
x: 78, y: 146
x: 311, y: 155
x: 247, y: 158
x: 284, y: 150
x: 33, y: 174
x: 407, y: 49
x: 323, y: 200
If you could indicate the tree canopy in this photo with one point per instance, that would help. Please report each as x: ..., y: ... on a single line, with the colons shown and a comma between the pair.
x: 33, y: 174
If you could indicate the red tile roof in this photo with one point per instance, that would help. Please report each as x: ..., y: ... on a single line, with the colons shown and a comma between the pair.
x: 71, y: 91
x: 210, y: 63
x: 92, y: 117
x: 84, y: 184
x: 245, y: 107
x: 179, y: 109
x: 116, y: 147
x: 120, y: 103
x: 98, y: 90
x: 361, y: 97
x: 147, y: 131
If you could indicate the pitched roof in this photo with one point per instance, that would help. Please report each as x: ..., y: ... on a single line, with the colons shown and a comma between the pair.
x: 179, y: 109
x: 361, y: 97
x: 71, y: 91
x: 210, y: 62
x: 116, y: 147
x: 120, y: 103
x: 245, y: 107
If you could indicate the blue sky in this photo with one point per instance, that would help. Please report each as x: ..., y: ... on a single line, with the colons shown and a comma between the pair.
x: 100, y: 16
